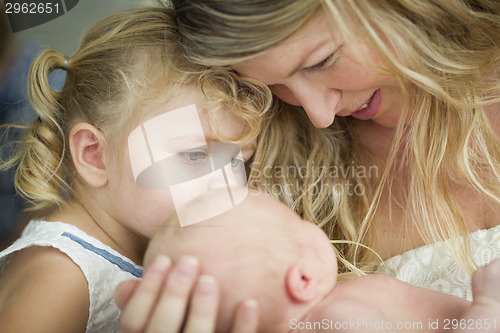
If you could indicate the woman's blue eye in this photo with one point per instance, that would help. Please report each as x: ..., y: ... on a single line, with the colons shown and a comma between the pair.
x: 193, y: 156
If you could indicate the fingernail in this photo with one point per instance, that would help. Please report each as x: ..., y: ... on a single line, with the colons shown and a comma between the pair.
x: 206, y: 285
x: 160, y: 264
x: 188, y: 266
x: 250, y: 309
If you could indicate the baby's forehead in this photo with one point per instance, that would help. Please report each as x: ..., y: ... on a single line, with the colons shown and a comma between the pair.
x: 256, y: 217
x: 263, y: 213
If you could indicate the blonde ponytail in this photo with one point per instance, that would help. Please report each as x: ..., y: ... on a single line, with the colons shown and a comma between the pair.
x: 39, y: 177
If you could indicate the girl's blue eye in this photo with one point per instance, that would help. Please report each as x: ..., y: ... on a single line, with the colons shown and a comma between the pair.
x: 236, y: 162
x: 193, y: 156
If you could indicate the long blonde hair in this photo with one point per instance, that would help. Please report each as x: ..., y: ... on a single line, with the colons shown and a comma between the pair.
x: 448, y: 53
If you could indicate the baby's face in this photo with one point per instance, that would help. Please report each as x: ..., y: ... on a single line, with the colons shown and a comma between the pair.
x: 297, y: 238
x: 175, y: 156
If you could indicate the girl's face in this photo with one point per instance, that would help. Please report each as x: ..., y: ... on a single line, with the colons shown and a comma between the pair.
x: 316, y: 69
x: 175, y: 156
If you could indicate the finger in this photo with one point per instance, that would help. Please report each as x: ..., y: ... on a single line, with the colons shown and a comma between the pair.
x: 247, y: 317
x: 137, y: 312
x: 171, y: 308
x: 124, y: 292
x: 203, y: 308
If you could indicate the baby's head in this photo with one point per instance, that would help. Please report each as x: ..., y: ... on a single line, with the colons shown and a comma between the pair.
x: 261, y: 250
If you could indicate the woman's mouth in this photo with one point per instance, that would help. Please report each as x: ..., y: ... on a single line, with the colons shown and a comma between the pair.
x: 370, y: 108
x: 365, y: 105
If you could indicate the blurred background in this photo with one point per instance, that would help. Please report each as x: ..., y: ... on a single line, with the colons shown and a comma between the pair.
x: 17, y: 49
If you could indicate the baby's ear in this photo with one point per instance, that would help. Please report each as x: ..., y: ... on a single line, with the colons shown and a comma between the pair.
x: 87, y: 144
x: 302, y: 281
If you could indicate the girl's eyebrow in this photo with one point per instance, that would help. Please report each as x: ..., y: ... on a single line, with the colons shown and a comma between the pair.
x: 197, y: 138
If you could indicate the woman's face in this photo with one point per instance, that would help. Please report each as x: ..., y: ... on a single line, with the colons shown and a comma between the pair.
x: 316, y: 69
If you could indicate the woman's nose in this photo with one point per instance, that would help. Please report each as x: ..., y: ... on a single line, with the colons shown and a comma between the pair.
x: 319, y: 103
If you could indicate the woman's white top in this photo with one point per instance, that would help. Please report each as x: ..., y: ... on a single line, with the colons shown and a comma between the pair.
x: 433, y: 267
x: 103, y: 267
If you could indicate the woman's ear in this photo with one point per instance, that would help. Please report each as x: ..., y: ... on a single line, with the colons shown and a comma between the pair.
x: 87, y: 146
x: 302, y: 281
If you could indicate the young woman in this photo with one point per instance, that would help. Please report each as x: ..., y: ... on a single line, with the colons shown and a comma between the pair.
x: 413, y: 88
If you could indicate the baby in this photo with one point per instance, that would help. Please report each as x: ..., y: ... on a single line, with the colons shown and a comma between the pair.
x: 261, y: 249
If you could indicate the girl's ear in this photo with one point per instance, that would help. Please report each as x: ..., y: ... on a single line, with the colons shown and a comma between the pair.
x: 87, y: 146
x: 302, y: 281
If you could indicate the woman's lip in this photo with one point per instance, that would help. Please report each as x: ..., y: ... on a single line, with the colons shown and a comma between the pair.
x: 365, y: 104
x: 371, y: 109
x: 350, y: 113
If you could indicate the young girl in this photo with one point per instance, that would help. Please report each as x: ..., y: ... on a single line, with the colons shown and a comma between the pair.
x: 79, y: 165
